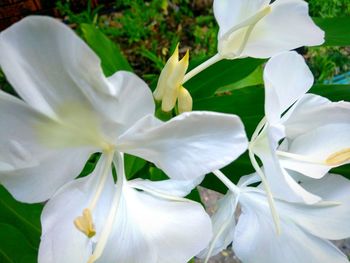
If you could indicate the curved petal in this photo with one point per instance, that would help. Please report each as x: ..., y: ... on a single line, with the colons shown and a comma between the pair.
x: 132, y: 100
x: 319, y: 145
x: 329, y: 221
x: 173, y: 187
x: 286, y: 27
x: 282, y: 184
x: 148, y: 229
x: 310, y: 125
x: 256, y: 241
x: 49, y: 65
x: 313, y: 111
x: 29, y: 169
x: 61, y: 241
x: 189, y: 145
x: 287, y: 78
x: 229, y: 13
x: 223, y: 222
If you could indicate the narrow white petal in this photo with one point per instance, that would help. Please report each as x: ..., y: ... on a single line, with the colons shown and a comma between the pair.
x: 149, y: 229
x: 286, y: 27
x: 173, y: 187
x: 189, y: 145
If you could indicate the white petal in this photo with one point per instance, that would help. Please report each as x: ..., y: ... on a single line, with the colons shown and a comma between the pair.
x: 287, y: 27
x: 173, y: 187
x: 223, y: 226
x: 148, y: 229
x: 49, y: 65
x: 30, y: 170
x: 189, y: 145
x: 132, y: 100
x: 316, y: 128
x: 256, y: 241
x: 230, y: 13
x: 282, y: 185
x: 322, y: 220
x: 61, y: 241
x: 287, y: 78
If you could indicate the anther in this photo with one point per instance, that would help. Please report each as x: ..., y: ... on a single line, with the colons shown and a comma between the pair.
x: 85, y: 223
x: 339, y: 157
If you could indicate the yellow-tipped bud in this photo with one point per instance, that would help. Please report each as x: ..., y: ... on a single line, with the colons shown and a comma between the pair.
x: 184, y: 100
x: 85, y: 223
x: 338, y: 158
x: 170, y: 80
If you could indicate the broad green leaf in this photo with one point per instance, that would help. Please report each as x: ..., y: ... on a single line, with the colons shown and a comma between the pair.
x: 24, y: 217
x: 221, y: 74
x: 110, y: 54
x: 15, y: 247
x: 253, y: 79
x: 337, y: 30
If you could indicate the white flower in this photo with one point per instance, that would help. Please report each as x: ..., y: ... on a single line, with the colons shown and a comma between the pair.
x: 304, y: 228
x: 256, y: 28
x: 71, y: 110
x: 315, y: 131
x: 134, y: 222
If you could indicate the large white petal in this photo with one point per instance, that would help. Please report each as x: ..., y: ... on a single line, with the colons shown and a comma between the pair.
x: 61, y: 241
x: 330, y: 221
x: 189, y: 145
x: 29, y: 169
x: 153, y: 230
x: 287, y: 27
x: 49, y: 65
x: 230, y: 13
x: 223, y: 226
x: 287, y: 78
x: 256, y: 240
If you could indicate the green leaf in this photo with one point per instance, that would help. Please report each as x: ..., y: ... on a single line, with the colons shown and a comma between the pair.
x: 132, y: 164
x: 110, y: 54
x: 14, y: 246
x: 332, y: 92
x: 24, y: 217
x: 221, y: 74
x: 337, y: 30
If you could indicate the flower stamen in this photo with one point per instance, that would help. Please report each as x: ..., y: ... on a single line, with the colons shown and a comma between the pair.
x: 85, y: 223
x: 339, y: 157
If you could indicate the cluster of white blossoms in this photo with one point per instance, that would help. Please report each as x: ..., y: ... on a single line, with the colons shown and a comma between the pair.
x: 70, y: 110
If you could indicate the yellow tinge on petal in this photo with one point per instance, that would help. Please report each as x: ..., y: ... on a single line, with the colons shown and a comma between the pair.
x: 76, y: 125
x: 339, y: 158
x: 85, y: 223
x: 170, y: 81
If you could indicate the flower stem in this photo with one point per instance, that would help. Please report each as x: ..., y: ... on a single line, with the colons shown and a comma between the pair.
x: 201, y: 67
